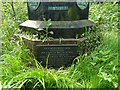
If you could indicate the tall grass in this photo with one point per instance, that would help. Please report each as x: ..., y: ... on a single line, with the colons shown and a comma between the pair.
x: 17, y: 68
x: 99, y: 69
x: 96, y: 70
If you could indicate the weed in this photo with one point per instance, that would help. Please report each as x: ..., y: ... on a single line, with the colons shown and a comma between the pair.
x: 45, y: 32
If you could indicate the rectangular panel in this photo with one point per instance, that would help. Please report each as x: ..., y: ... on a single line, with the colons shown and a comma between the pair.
x: 58, y: 55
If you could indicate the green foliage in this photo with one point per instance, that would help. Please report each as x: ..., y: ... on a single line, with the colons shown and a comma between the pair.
x: 48, y: 24
x: 98, y: 69
x: 14, y: 53
x: 45, y: 35
x: 93, y: 39
x: 105, y: 15
x: 42, y: 78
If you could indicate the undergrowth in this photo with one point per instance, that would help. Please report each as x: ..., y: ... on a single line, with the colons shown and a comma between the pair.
x: 99, y: 69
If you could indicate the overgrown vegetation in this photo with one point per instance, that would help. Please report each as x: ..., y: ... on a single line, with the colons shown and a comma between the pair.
x: 99, y: 69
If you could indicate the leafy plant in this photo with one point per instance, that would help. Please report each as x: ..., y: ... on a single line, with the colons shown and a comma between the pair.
x: 46, y: 32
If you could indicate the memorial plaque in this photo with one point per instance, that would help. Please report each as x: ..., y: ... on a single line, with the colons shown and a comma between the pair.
x: 58, y: 55
x: 69, y: 21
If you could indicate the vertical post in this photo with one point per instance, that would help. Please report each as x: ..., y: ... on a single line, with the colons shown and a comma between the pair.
x: 14, y: 14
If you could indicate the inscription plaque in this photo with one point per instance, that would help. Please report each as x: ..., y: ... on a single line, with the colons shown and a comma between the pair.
x: 58, y: 55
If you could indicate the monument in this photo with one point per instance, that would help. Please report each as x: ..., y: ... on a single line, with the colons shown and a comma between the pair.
x: 68, y: 22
